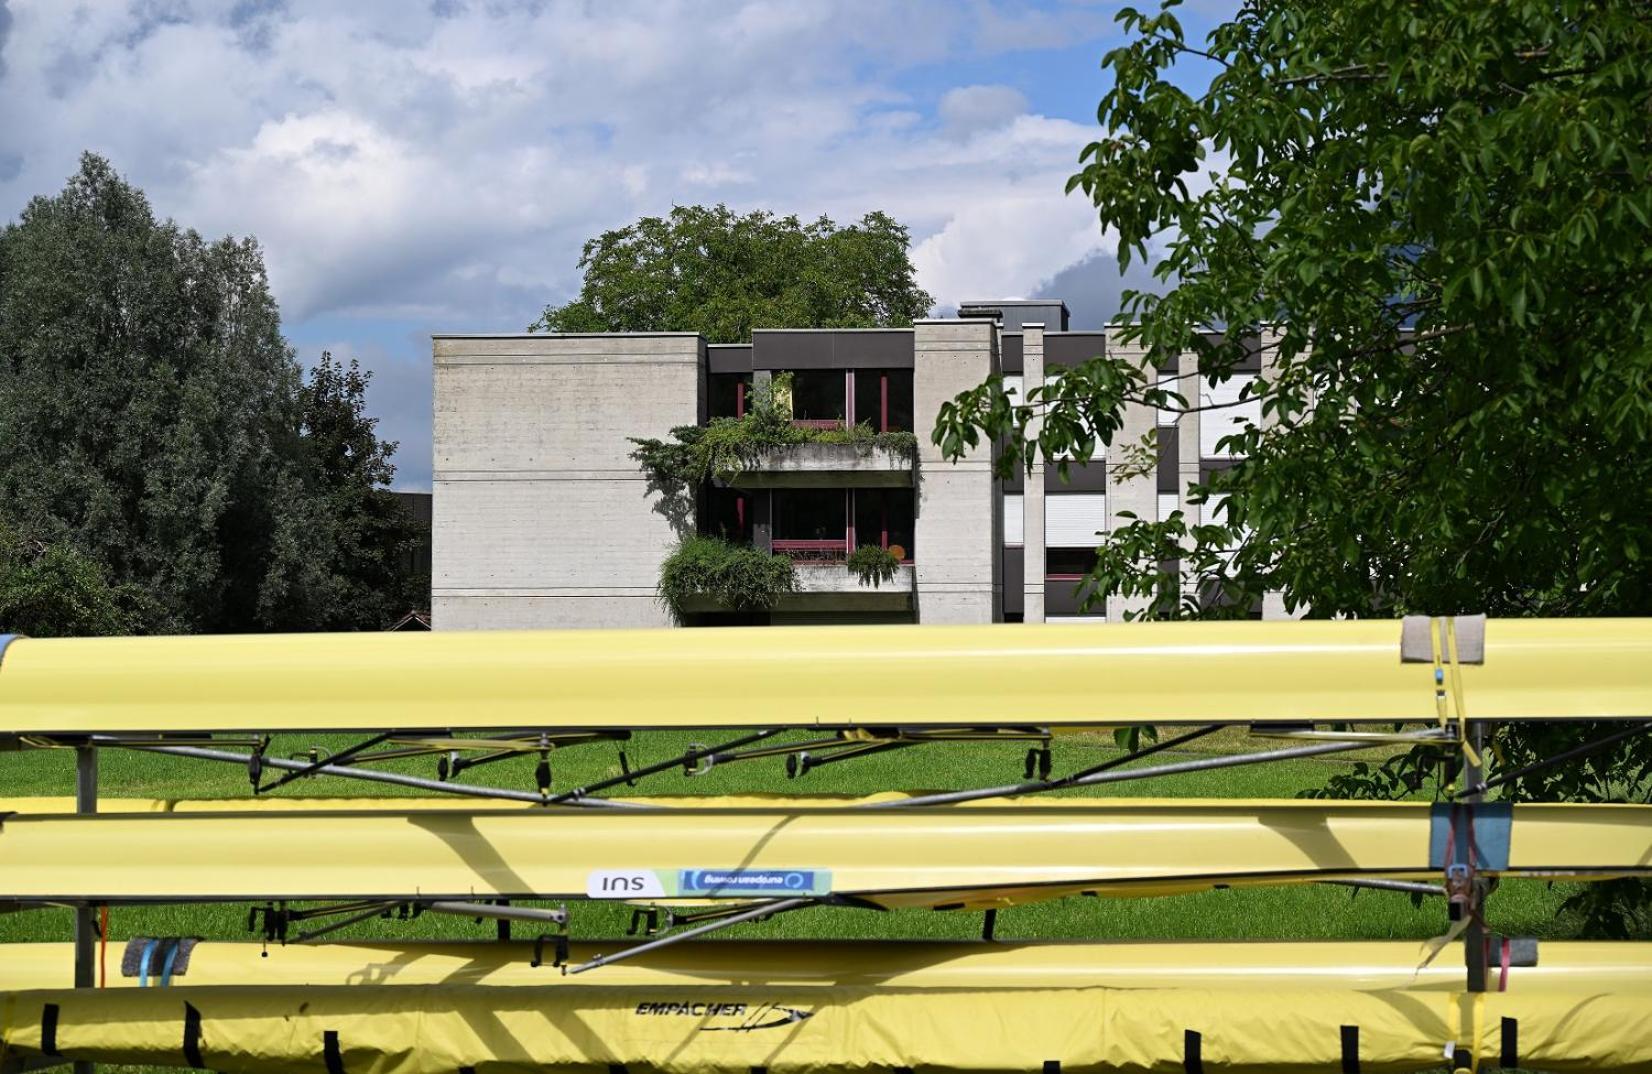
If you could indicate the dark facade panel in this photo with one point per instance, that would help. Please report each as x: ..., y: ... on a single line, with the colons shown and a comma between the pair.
x: 1009, y: 353
x: 1072, y: 348
x: 1016, y: 483
x: 1252, y: 361
x: 1061, y: 598
x: 841, y: 348
x: 728, y: 358
x: 1014, y: 585
x: 1170, y: 459
x: 1081, y: 477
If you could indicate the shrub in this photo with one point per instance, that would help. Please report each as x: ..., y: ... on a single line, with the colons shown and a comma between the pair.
x: 742, y: 578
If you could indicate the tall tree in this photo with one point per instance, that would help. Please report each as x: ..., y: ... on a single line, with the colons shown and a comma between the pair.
x: 151, y: 413
x: 711, y: 271
x: 343, y: 553
x: 1447, y: 210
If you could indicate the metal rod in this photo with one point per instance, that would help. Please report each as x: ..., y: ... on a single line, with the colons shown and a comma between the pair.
x: 86, y: 937
x: 767, y: 909
x: 1157, y: 747
x: 1208, y: 764
x: 1410, y: 887
x: 393, y: 778
x: 498, y: 913
x: 1480, y: 787
x: 578, y: 794
x: 336, y: 759
x: 351, y: 920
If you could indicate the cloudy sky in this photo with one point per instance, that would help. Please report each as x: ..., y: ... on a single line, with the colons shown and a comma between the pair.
x: 413, y: 166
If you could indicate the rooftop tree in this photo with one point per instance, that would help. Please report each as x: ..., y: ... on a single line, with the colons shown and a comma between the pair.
x: 712, y: 271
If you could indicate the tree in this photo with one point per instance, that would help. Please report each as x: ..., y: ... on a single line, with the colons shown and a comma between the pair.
x: 56, y: 591
x: 711, y: 271
x: 151, y: 413
x: 342, y: 555
x: 1446, y: 210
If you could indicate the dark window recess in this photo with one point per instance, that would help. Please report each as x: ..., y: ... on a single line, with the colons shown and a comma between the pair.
x: 810, y: 515
x: 818, y: 396
x: 728, y: 515
x: 1069, y: 562
x: 883, y: 399
x: 1014, y: 585
x: 1170, y: 459
x: 728, y: 394
x: 884, y: 517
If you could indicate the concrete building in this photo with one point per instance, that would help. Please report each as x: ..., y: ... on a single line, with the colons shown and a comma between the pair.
x: 542, y: 518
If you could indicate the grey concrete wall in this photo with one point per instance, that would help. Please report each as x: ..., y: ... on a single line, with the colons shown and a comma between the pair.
x: 541, y: 518
x: 960, y: 514
x: 1032, y: 499
x: 1127, y: 488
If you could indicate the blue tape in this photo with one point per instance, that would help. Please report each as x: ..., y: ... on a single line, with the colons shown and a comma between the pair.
x: 1492, y: 822
x: 171, y: 957
x: 143, y: 963
x: 5, y: 640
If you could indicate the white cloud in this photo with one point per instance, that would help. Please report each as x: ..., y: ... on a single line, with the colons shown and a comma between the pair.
x: 967, y: 110
x: 443, y: 163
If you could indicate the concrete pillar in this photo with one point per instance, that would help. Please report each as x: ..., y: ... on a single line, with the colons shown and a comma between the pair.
x: 1137, y: 493
x: 960, y: 523
x: 1032, y: 500
x: 1187, y: 450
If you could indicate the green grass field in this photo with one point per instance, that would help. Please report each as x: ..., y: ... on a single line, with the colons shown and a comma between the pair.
x: 1313, y: 912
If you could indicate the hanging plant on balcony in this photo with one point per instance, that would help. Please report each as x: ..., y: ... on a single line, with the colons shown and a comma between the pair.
x: 737, y: 577
x: 723, y: 447
x: 873, y: 565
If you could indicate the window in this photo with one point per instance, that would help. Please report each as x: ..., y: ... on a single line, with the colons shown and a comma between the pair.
x: 1069, y: 562
x: 818, y: 396
x: 883, y: 399
x: 727, y: 515
x: 884, y: 517
x: 728, y: 395
x: 1074, y: 519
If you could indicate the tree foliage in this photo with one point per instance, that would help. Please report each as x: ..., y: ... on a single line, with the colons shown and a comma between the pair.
x: 57, y: 591
x: 153, y: 418
x: 1445, y: 212
x: 710, y: 270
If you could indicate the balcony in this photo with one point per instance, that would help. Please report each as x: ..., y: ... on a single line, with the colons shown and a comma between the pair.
x: 825, y: 583
x: 817, y: 465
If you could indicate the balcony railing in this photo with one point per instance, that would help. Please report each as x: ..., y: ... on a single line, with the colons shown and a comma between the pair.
x: 826, y: 551
x: 818, y: 423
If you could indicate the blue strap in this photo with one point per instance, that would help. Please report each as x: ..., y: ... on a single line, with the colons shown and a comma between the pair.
x: 171, y: 957
x: 143, y: 963
x: 1452, y: 824
x: 5, y: 640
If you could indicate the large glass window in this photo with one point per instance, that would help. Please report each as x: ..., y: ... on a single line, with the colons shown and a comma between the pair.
x: 884, y: 517
x: 728, y: 394
x: 883, y: 399
x: 727, y: 514
x: 811, y: 523
x: 818, y: 396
